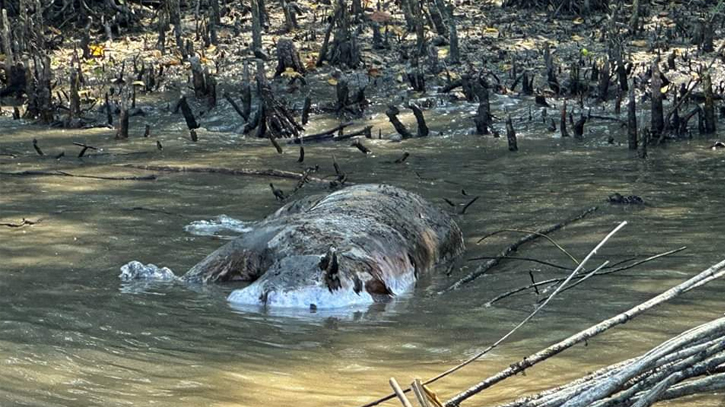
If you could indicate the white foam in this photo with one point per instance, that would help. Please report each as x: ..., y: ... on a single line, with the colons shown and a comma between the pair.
x: 215, y: 226
x: 319, y: 297
x: 135, y: 270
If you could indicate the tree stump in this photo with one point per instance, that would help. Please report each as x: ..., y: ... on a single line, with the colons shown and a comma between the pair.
x: 483, y: 117
x: 632, y: 119
x: 658, y: 121
x: 288, y: 57
x: 392, y: 114
x: 204, y: 83
x: 40, y: 103
x: 511, y: 135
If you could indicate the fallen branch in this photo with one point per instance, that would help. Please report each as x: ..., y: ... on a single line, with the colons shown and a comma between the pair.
x: 304, y: 179
x: 465, y: 207
x: 324, y: 135
x: 693, y: 353
x: 601, y: 273
x: 66, y: 174
x: 637, y: 263
x: 24, y: 222
x: 483, y: 268
x: 538, y: 234
x: 227, y: 171
x: 714, y: 272
x: 516, y: 328
x: 531, y: 259
x: 330, y: 135
x: 84, y: 148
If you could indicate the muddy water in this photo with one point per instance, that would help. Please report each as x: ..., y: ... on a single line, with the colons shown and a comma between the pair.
x: 72, y: 335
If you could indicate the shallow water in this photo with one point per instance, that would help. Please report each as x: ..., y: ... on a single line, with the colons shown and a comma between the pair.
x: 72, y: 334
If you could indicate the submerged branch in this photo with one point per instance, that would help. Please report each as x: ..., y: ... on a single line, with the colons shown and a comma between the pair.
x: 604, y: 271
x: 483, y: 268
x: 66, y: 174
x: 228, y: 171
x: 24, y: 222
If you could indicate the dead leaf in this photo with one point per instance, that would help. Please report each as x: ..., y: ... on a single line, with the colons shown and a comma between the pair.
x: 290, y: 73
x: 397, y: 31
x: 490, y: 32
x: 380, y: 17
x: 374, y: 72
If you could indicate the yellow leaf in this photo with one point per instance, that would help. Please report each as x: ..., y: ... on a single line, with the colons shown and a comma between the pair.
x: 332, y: 81
x: 97, y: 50
x: 138, y: 83
x: 578, y: 21
x: 585, y: 52
x: 290, y: 73
x: 639, y: 43
x: 211, y: 49
x: 490, y: 32
x: 527, y: 44
x: 577, y: 38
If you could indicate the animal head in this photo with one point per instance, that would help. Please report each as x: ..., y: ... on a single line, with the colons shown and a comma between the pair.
x: 329, y: 280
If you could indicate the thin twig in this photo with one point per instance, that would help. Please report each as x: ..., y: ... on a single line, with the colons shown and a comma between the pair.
x: 546, y: 263
x: 536, y: 233
x: 483, y: 268
x: 557, y: 280
x: 627, y: 267
x: 463, y: 211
